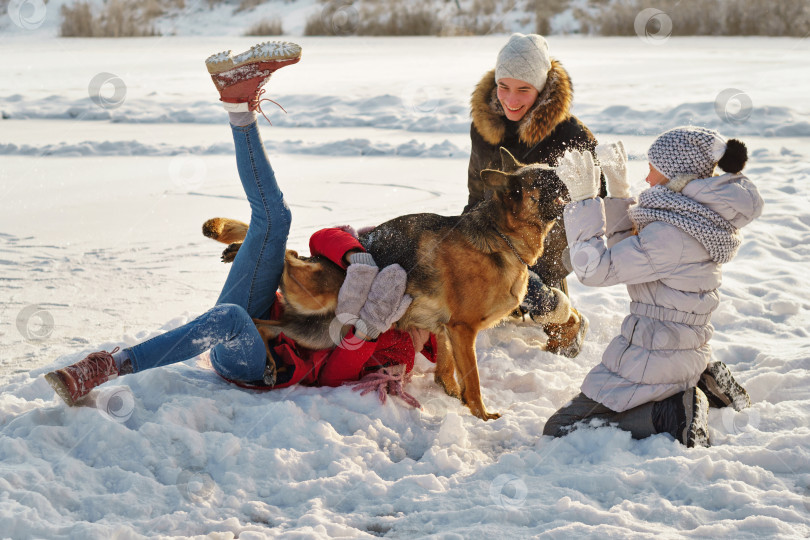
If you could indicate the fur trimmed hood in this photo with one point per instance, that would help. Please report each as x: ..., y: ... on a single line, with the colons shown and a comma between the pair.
x: 552, y: 107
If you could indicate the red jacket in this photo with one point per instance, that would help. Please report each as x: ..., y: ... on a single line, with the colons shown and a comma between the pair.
x: 355, y: 357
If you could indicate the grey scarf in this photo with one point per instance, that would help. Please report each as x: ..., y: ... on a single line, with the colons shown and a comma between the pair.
x: 720, y: 238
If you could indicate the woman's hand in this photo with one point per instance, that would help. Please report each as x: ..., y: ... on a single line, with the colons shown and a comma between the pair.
x: 579, y: 174
x: 387, y: 301
x: 613, y: 159
x: 347, y: 257
x: 359, y: 278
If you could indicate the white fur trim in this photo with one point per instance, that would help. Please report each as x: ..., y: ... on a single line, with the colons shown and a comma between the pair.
x: 679, y: 182
x: 236, y: 107
x: 718, y: 149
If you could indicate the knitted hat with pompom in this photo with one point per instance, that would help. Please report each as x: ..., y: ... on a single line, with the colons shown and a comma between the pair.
x: 683, y: 154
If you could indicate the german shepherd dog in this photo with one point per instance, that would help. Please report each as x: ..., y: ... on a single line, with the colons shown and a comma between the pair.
x: 465, y: 273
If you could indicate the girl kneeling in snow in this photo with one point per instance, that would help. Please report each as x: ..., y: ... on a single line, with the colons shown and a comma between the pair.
x: 237, y: 350
x: 654, y: 377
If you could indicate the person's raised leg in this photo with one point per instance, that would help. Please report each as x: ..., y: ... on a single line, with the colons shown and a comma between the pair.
x: 257, y: 267
x: 256, y: 271
x: 239, y: 351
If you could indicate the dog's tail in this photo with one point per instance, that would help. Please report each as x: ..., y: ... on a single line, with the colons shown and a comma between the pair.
x: 225, y: 230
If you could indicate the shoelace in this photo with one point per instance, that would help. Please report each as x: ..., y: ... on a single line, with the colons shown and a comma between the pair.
x: 388, y: 380
x: 90, y: 370
x: 256, y: 105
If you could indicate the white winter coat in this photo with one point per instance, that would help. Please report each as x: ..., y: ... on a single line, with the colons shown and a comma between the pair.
x: 672, y: 281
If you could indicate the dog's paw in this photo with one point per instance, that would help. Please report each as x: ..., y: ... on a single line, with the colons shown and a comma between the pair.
x: 225, y: 230
x: 213, y: 227
x: 229, y: 253
x: 449, y: 385
x: 481, y: 412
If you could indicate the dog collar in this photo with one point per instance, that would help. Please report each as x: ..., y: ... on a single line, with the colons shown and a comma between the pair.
x: 508, y: 243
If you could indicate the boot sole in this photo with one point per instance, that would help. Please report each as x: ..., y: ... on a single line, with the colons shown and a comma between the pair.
x: 268, y: 51
x: 573, y: 349
x: 721, y: 387
x: 60, y: 388
x: 696, y: 406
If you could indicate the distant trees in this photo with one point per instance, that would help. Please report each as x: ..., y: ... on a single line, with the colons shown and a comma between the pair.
x: 125, y: 18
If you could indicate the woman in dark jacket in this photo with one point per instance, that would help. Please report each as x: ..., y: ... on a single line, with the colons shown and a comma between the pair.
x: 524, y: 106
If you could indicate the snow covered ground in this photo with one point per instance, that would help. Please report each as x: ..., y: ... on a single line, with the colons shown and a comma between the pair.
x: 100, y: 246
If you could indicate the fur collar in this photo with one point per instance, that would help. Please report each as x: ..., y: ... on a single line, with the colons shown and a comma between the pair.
x: 553, y: 106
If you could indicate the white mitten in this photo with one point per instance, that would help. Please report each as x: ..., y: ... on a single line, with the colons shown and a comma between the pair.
x: 359, y: 277
x: 387, y: 301
x: 613, y: 159
x: 579, y: 174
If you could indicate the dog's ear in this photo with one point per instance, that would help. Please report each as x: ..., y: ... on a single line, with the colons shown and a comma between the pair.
x: 508, y: 162
x: 499, y: 181
x: 506, y: 187
x: 495, y: 180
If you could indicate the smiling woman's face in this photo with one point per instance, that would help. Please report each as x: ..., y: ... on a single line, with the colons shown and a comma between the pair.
x: 516, y: 97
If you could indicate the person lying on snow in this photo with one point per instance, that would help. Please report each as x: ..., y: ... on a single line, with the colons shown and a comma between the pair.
x: 237, y: 351
x: 655, y: 377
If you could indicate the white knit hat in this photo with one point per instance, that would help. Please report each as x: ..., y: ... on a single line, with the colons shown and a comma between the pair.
x: 683, y: 154
x: 525, y: 58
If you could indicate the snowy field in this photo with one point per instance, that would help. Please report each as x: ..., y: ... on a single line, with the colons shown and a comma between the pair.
x: 106, y: 179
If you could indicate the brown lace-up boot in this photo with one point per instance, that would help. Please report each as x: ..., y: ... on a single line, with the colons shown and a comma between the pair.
x: 239, y: 78
x: 75, y: 381
x: 566, y: 338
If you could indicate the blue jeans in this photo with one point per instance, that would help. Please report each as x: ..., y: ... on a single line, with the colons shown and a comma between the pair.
x: 227, y: 330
